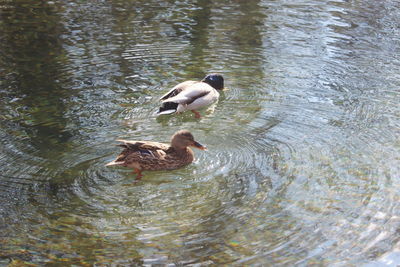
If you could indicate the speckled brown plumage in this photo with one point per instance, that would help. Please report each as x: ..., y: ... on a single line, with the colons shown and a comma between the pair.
x: 146, y: 155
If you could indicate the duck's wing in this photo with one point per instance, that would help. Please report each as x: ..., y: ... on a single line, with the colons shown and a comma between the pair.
x: 142, y: 145
x: 191, y: 94
x: 178, y: 89
x: 139, y: 151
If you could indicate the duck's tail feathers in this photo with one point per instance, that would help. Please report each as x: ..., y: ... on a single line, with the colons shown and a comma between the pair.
x: 167, y: 108
x: 114, y: 163
x: 124, y: 145
x: 166, y: 112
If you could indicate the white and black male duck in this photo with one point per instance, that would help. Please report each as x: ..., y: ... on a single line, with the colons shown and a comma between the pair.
x: 192, y: 95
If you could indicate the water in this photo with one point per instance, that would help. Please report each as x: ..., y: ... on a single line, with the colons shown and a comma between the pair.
x: 303, y: 160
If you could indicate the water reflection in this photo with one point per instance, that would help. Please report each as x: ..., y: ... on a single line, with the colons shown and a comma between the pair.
x: 33, y: 125
x: 198, y: 34
x: 302, y: 160
x: 33, y: 51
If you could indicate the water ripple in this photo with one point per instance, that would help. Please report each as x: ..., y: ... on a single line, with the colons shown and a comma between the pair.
x: 302, y: 163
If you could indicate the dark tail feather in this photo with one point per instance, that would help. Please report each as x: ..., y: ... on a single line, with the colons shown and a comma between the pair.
x: 168, y: 108
x: 122, y: 145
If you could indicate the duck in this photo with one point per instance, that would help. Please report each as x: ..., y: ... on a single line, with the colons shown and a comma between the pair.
x: 148, y: 155
x: 192, y: 95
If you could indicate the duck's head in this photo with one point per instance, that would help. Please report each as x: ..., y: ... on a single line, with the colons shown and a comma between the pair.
x: 215, y: 80
x: 182, y: 139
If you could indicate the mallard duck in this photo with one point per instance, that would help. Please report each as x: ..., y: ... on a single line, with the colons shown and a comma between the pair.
x: 146, y: 155
x: 192, y: 95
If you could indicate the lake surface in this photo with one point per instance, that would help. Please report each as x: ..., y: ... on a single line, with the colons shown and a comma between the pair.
x: 303, y: 157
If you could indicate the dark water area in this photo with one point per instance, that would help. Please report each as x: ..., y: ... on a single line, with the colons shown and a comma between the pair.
x: 302, y: 166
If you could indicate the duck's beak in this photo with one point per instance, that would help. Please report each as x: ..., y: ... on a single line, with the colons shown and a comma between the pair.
x: 199, y: 146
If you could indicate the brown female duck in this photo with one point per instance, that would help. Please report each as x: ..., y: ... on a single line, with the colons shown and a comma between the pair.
x: 146, y: 155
